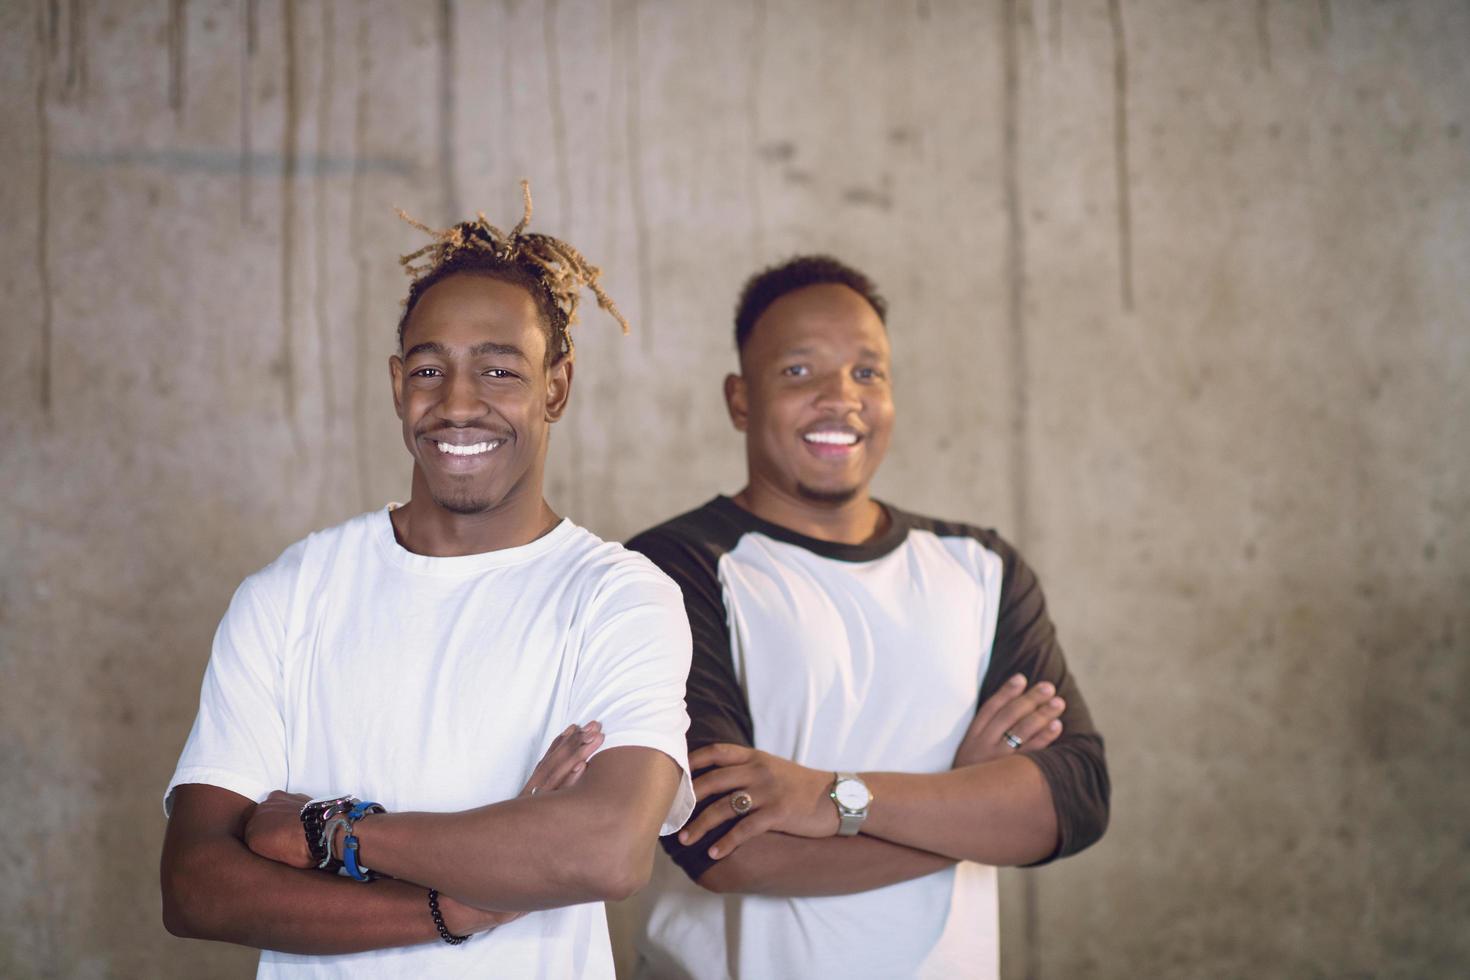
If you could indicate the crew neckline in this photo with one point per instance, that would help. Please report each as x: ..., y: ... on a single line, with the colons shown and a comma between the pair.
x: 452, y: 565
x: 870, y: 550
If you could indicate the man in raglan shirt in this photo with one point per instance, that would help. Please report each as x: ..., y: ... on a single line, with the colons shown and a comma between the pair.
x: 853, y: 802
x: 421, y: 657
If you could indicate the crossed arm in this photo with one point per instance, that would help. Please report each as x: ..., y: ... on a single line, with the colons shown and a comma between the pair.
x: 589, y: 840
x: 994, y: 807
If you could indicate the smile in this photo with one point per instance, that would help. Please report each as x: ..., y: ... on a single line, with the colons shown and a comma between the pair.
x: 477, y: 449
x: 832, y: 438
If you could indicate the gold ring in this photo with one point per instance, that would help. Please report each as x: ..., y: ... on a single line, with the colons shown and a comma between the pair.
x: 741, y: 803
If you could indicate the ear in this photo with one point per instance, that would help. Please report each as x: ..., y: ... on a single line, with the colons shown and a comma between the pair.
x: 558, y: 388
x: 736, y: 402
x: 395, y: 372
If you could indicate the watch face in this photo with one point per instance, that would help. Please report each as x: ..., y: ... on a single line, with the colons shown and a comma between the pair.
x: 852, y: 794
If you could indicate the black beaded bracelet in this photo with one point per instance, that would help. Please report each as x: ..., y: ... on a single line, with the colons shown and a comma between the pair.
x: 444, y: 932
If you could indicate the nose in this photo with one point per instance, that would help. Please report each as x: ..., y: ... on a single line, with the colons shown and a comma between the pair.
x: 839, y: 390
x: 461, y: 401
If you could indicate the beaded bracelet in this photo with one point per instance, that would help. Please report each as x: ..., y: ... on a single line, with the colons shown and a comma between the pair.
x: 444, y: 932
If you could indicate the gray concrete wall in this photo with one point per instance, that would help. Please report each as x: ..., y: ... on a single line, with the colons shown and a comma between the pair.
x: 1179, y: 303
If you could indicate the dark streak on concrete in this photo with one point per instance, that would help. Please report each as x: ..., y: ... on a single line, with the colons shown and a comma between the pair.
x: 446, y: 112
x: 1015, y: 273
x: 43, y: 223
x: 247, y: 100
x: 227, y: 164
x: 753, y: 130
x: 558, y: 117
x: 1120, y: 153
x: 634, y: 136
x: 76, y: 48
x: 777, y: 151
x: 567, y: 211
x: 1015, y: 267
x: 52, y: 29
x: 1054, y: 27
x: 288, y: 212
x: 324, y: 116
x: 868, y: 197
x: 1263, y: 30
x: 1325, y: 8
x: 178, y: 33
x: 365, y: 322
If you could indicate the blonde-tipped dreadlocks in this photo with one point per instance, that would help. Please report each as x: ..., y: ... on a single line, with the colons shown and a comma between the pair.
x: 553, y: 271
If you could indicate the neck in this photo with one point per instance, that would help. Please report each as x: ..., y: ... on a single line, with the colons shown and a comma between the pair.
x: 423, y: 527
x: 851, y: 522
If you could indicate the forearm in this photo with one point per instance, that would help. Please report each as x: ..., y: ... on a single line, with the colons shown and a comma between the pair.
x: 592, y: 842
x: 219, y: 890
x: 780, y: 864
x: 998, y: 813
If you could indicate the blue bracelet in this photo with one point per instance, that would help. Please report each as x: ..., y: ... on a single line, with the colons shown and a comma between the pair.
x: 350, y: 842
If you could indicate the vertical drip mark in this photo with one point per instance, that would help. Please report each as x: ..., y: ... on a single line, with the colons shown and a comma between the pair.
x: 1015, y: 270
x: 632, y: 126
x: 324, y: 116
x: 1054, y: 27
x: 247, y: 99
x: 52, y: 29
x: 558, y: 116
x: 364, y: 316
x: 43, y: 218
x: 753, y: 131
x: 1325, y: 8
x: 1120, y: 153
x: 288, y: 214
x: 178, y: 30
x: 566, y: 210
x: 446, y: 112
x: 76, y: 37
x: 1263, y: 30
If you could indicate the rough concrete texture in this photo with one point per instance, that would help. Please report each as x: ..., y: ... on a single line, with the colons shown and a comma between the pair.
x: 1179, y: 302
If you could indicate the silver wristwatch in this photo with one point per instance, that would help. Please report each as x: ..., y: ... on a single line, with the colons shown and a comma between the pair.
x: 852, y: 797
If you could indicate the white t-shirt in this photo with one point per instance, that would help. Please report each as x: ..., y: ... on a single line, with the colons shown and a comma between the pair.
x: 351, y: 665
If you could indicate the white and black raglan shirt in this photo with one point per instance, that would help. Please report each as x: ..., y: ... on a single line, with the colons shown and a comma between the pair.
x: 870, y: 657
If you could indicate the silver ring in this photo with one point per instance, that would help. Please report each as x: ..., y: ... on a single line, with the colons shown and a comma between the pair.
x: 534, y: 789
x: 1010, y: 739
x: 741, y: 803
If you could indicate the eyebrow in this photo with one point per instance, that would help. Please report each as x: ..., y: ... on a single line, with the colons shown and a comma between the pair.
x: 479, y: 350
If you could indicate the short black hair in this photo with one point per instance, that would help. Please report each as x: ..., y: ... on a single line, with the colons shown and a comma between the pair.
x: 769, y: 285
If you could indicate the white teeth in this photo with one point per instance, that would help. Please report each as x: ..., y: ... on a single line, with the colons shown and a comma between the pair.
x: 832, y: 438
x: 475, y: 450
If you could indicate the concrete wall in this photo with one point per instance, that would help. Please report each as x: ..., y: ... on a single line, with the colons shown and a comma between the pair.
x: 1179, y: 303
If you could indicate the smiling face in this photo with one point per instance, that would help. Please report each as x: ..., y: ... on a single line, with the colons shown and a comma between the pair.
x: 475, y: 395
x: 813, y: 397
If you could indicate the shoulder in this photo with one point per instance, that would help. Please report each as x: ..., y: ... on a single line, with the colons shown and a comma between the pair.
x: 714, y: 527
x: 607, y: 569
x: 947, y: 530
x: 314, y: 554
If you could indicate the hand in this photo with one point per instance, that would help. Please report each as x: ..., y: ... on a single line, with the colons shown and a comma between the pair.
x: 565, y: 760
x: 274, y: 830
x: 1032, y: 716
x: 783, y: 796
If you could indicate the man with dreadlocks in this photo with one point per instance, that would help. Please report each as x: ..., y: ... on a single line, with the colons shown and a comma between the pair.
x: 853, y: 801
x: 406, y: 668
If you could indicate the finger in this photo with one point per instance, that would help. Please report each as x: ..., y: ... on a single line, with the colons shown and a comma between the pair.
x: 1043, y: 738
x: 576, y: 764
x: 1029, y: 726
x: 739, y: 834
x: 719, y: 754
x: 1008, y: 692
x: 708, y: 819
x: 722, y: 780
x: 1019, y: 708
x: 547, y: 761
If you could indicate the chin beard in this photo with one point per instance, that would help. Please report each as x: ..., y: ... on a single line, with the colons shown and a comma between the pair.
x: 834, y: 497
x: 462, y: 504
